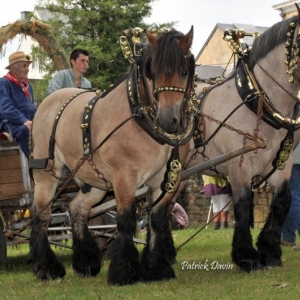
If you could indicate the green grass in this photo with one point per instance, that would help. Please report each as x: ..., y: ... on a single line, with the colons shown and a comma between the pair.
x: 17, y: 282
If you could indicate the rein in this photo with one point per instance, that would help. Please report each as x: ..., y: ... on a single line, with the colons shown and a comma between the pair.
x: 280, y: 85
x: 202, y: 228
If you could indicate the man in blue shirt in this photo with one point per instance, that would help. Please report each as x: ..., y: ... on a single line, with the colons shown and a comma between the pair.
x: 79, y: 60
x: 16, y: 100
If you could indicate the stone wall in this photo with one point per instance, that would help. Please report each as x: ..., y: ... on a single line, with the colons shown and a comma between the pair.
x: 197, y: 205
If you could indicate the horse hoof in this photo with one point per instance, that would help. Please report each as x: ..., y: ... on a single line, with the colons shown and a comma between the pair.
x: 159, y: 273
x: 250, y: 265
x: 86, y: 260
x: 89, y: 271
x: 56, y: 271
x: 126, y: 276
x: 271, y: 262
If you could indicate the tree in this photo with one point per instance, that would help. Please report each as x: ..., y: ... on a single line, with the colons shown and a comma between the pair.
x: 96, y: 25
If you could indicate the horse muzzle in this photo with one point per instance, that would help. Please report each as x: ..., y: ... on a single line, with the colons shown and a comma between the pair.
x: 169, y: 121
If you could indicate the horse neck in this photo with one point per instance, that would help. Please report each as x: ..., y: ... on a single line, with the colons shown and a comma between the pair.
x: 275, y: 81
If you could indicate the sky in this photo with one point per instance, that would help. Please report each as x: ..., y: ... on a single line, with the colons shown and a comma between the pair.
x: 202, y: 14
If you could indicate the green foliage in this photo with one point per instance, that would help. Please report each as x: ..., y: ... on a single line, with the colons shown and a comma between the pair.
x: 96, y: 25
x: 39, y: 88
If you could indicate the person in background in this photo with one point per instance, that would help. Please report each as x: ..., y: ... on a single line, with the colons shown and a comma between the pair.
x: 292, y: 221
x: 79, y: 60
x: 179, y: 218
x: 219, y: 190
x: 17, y: 101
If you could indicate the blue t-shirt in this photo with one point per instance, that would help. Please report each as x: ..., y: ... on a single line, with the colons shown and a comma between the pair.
x: 65, y: 79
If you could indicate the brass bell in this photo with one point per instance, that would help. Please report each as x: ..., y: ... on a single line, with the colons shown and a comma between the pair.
x: 170, y: 187
x: 172, y: 176
x: 175, y: 165
x: 280, y: 165
x: 288, y: 144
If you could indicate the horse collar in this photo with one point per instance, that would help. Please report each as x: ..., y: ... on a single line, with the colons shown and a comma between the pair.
x: 250, y: 92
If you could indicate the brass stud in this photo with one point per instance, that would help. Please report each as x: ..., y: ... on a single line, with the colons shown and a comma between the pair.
x: 84, y: 126
x: 88, y: 107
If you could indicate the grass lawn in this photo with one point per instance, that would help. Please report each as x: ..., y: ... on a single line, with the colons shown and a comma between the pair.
x: 204, y: 271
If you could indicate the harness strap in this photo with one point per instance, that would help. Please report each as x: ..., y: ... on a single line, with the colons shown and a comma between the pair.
x: 52, y: 137
x: 281, y: 157
x: 86, y: 124
x: 170, y: 177
x: 136, y: 106
x: 42, y: 163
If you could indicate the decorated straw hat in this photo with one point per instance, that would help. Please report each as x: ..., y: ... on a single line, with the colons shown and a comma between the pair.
x: 18, y: 56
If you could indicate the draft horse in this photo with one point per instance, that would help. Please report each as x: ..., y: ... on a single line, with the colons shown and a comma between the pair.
x: 259, y: 100
x: 119, y: 140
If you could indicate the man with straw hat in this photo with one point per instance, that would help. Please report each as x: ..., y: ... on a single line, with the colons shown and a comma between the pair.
x: 16, y: 100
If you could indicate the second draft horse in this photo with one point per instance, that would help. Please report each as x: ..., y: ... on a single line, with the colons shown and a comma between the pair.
x: 259, y: 100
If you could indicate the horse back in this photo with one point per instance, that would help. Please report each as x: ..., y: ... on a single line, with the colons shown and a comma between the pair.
x: 122, y: 143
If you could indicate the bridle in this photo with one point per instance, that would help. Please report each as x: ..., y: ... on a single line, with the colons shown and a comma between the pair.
x: 145, y: 101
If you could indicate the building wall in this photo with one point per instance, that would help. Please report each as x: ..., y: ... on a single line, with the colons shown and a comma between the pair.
x: 287, y: 9
x: 289, y: 14
x: 216, y: 52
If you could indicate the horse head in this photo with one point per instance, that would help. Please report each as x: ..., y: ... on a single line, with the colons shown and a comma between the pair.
x: 170, y: 66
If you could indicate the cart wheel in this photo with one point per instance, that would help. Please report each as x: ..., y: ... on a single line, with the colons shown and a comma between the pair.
x: 3, y: 250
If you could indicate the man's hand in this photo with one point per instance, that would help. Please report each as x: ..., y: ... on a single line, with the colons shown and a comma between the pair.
x: 28, y: 124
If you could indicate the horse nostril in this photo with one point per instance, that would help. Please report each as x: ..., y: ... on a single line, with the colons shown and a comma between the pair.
x: 174, y: 121
x: 170, y: 125
x: 174, y: 124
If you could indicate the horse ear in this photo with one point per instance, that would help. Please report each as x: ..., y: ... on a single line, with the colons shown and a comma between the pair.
x: 186, y: 42
x: 151, y: 38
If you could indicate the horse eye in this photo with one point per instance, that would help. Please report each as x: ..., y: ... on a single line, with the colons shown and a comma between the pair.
x: 184, y: 72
